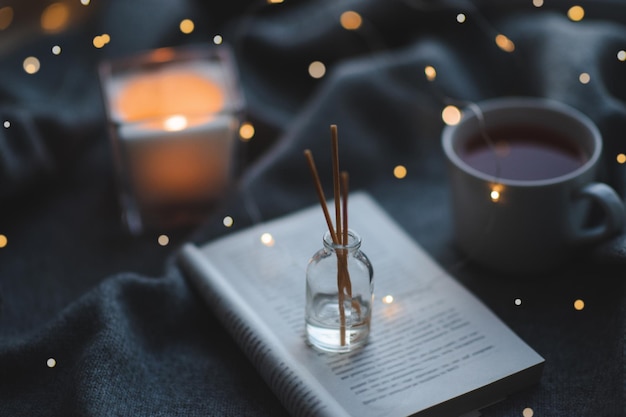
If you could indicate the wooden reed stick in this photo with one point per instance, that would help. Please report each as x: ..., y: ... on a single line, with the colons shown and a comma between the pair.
x: 343, y: 274
x: 341, y: 280
x: 344, y: 190
x: 336, y: 181
x: 320, y: 194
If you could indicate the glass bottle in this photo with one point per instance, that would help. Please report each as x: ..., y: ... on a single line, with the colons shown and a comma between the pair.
x: 339, y: 304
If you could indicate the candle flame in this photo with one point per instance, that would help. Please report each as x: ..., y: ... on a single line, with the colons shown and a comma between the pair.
x: 175, y: 123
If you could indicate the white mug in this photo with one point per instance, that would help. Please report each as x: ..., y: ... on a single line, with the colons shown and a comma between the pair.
x: 522, y: 225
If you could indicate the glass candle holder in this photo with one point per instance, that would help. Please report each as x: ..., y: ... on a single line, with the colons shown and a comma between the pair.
x: 339, y: 296
x: 174, y: 116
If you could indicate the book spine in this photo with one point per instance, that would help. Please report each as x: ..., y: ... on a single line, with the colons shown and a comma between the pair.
x: 298, y: 391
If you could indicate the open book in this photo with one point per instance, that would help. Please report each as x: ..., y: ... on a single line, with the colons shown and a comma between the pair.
x: 434, y: 349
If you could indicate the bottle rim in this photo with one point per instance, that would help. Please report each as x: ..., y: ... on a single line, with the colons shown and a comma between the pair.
x: 354, y: 241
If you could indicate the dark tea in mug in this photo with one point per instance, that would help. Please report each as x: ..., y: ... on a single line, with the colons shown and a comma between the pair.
x: 525, y: 153
x: 523, y: 192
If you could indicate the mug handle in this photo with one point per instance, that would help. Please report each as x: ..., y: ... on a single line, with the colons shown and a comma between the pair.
x: 613, y: 208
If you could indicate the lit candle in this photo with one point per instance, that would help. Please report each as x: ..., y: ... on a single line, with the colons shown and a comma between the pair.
x: 174, y: 123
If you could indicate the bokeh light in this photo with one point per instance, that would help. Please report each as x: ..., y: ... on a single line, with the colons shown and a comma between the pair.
x: 537, y: 3
x: 6, y: 17
x: 187, y: 26
x: 246, y: 131
x: 163, y: 240
x: 351, y: 20
x: 528, y: 412
x: 461, y: 18
x: 55, y: 17
x: 431, y: 72
x: 399, y: 171
x: 267, y: 239
x: 451, y: 115
x: 496, y: 192
x: 56, y: 50
x: 317, y: 69
x: 31, y: 65
x: 387, y: 299
x: 3, y: 241
x: 217, y: 39
x: 579, y: 304
x: 51, y: 363
x: 518, y: 301
x: 100, y: 41
x: 6, y: 124
x: 505, y: 43
x: 228, y: 221
x: 576, y: 13
x: 621, y: 55
x: 621, y: 158
x: 584, y: 78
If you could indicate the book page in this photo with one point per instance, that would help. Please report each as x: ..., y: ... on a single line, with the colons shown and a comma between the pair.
x: 431, y: 340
